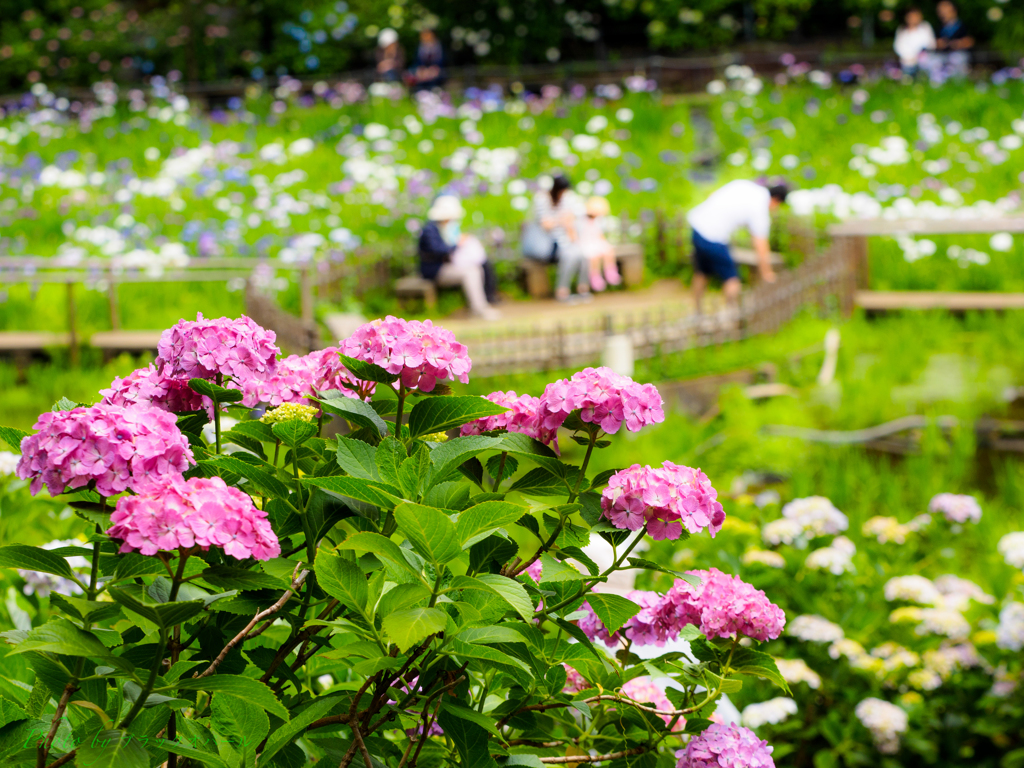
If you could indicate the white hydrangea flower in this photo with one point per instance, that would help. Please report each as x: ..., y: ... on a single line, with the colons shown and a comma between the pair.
x: 885, y: 721
x: 913, y: 589
x: 817, y: 629
x: 795, y: 671
x: 773, y: 711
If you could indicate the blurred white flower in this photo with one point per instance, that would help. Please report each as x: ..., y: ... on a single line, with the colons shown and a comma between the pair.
x: 773, y: 711
x: 1001, y: 241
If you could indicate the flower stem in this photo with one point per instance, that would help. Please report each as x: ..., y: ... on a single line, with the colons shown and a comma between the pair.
x: 501, y: 472
x: 401, y: 408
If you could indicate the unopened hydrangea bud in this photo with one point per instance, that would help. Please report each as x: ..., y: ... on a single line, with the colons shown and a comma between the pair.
x: 436, y: 437
x: 290, y: 412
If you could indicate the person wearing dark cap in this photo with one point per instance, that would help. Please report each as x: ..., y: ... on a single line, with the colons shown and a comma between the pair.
x: 738, y: 205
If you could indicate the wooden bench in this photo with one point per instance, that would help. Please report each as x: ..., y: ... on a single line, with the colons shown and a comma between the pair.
x: 628, y: 256
x: 416, y: 287
x: 134, y: 342
x: 955, y: 301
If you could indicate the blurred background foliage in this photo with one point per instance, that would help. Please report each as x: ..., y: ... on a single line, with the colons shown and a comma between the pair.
x: 77, y: 42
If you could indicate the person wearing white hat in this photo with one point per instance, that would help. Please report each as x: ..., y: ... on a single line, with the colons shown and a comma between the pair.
x: 390, y: 56
x: 450, y: 258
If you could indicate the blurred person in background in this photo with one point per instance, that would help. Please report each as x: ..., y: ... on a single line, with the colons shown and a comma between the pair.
x: 428, y: 65
x: 953, y: 44
x: 598, y: 252
x: 913, y: 39
x: 552, y: 237
x: 390, y: 55
x: 449, y: 257
x: 740, y: 204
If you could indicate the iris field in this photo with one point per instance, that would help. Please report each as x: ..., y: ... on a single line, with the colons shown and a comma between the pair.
x: 147, y: 180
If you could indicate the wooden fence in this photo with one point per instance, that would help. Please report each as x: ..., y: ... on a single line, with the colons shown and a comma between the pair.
x: 825, y: 280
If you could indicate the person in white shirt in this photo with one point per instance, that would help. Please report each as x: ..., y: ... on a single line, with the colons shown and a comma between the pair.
x: 914, y: 38
x: 737, y: 205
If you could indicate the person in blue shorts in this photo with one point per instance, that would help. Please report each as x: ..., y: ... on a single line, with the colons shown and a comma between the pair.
x: 737, y: 205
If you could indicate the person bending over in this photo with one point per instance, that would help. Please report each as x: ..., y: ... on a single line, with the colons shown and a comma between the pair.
x: 450, y: 257
x: 739, y: 204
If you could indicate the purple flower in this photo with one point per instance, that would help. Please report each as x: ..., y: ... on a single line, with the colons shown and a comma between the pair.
x: 726, y: 746
x: 153, y: 387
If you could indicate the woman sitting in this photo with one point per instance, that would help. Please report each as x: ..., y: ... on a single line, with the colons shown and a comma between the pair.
x: 451, y: 258
x: 552, y: 237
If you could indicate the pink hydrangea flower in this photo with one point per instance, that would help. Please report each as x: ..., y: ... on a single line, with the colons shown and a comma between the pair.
x: 646, y: 691
x: 521, y: 417
x: 574, y: 681
x: 665, y: 499
x: 419, y: 352
x: 199, y: 512
x: 957, y: 508
x: 115, y: 447
x: 724, y: 605
x: 239, y: 352
x: 535, y: 570
x: 154, y: 387
x: 652, y: 625
x: 296, y: 379
x: 603, y: 397
x: 726, y: 746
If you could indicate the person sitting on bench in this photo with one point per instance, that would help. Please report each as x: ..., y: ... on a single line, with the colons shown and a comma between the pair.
x: 450, y: 257
x: 736, y: 205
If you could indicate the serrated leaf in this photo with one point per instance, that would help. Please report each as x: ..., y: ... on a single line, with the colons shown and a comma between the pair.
x: 230, y: 577
x: 59, y: 635
x: 448, y: 456
x: 353, y: 411
x: 64, y: 404
x: 294, y: 432
x: 471, y: 741
x: 491, y: 657
x: 580, y: 556
x: 164, y: 615
x: 502, y: 464
x: 366, y: 371
x: 35, y: 559
x: 493, y: 551
x: 357, y: 458
x: 12, y: 437
x: 376, y: 493
x: 478, y: 522
x: 413, y: 473
x: 390, y: 455
x: 381, y: 547
x: 241, y: 725
x: 186, y: 750
x: 244, y: 688
x: 261, y: 482
x: 430, y: 530
x: 282, y: 735
x: 509, y: 590
x: 439, y: 414
x: 555, y: 570
x: 489, y: 635
x: 747, y: 661
x: 112, y: 749
x: 411, y: 626
x: 639, y: 562
x: 215, y: 392
x: 341, y: 579
x: 612, y: 610
x: 465, y: 713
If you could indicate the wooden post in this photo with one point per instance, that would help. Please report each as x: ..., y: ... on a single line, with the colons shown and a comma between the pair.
x: 661, y: 235
x: 115, y: 311
x: 306, y: 288
x: 72, y: 332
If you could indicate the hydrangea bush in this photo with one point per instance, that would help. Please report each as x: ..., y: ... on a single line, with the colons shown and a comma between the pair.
x: 362, y: 567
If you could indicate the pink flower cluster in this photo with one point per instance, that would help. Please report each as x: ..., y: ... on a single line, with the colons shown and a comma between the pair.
x: 419, y: 352
x: 665, y: 499
x: 726, y: 746
x: 153, y: 387
x: 199, y: 512
x: 236, y: 350
x: 646, y: 691
x: 956, y: 507
x: 521, y: 416
x: 116, y: 447
x: 721, y: 606
x: 724, y: 605
x: 603, y: 397
x: 297, y: 378
x: 574, y: 681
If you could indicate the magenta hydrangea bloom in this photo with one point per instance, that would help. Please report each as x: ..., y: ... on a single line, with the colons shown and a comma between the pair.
x: 726, y: 746
x: 199, y: 512
x: 724, y: 605
x: 115, y: 447
x: 233, y: 350
x: 603, y: 397
x: 421, y: 353
x: 646, y: 691
x: 153, y: 387
x: 535, y: 570
x: 521, y: 416
x: 957, y: 508
x: 574, y: 681
x: 665, y: 499
x: 296, y: 379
